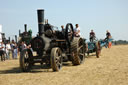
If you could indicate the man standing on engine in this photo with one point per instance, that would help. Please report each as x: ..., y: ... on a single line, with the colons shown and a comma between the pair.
x: 77, y: 31
x: 63, y: 30
x: 108, y: 35
x: 92, y: 36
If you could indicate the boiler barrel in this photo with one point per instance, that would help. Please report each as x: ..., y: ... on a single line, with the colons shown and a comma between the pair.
x: 40, y: 13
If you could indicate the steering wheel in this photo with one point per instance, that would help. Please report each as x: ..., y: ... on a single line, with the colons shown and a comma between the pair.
x: 69, y: 33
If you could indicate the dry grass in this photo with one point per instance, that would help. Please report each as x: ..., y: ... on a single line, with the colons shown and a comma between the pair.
x: 110, y: 69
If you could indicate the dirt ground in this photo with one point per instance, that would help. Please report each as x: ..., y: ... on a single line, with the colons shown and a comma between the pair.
x: 110, y: 69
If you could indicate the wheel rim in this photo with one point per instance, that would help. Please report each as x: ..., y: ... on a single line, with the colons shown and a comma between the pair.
x: 81, y: 51
x: 26, y: 60
x: 58, y: 58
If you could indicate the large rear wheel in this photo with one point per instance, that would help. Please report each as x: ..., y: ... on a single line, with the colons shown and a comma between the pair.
x: 56, y: 59
x: 78, y: 51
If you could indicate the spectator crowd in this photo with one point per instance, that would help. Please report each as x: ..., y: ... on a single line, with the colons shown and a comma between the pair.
x: 10, y: 50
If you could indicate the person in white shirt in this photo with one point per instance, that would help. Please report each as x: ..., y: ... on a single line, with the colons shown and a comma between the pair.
x: 77, y: 31
x: 8, y: 50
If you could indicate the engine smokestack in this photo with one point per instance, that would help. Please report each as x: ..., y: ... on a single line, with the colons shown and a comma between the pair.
x: 19, y: 32
x: 9, y: 39
x: 16, y: 38
x: 40, y: 14
x: 25, y: 27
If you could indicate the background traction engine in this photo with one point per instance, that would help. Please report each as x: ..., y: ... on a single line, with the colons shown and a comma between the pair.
x: 53, y: 47
x: 26, y: 36
x: 97, y: 46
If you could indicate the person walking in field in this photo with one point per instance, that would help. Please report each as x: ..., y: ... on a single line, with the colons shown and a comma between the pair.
x: 2, y: 51
x: 14, y: 50
x: 8, y: 50
x: 23, y: 46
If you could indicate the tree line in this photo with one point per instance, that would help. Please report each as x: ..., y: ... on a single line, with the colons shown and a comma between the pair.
x: 120, y: 42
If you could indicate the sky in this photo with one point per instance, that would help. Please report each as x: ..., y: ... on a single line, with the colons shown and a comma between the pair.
x: 99, y: 15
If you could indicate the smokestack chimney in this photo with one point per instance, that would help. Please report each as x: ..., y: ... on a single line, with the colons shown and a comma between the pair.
x: 16, y: 38
x: 3, y: 35
x: 19, y: 32
x: 40, y: 13
x: 9, y: 39
x: 25, y: 27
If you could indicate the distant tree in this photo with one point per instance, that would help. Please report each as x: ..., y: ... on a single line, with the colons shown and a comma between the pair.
x: 120, y: 42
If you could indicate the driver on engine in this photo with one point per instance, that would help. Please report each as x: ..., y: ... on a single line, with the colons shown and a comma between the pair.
x: 77, y: 31
x: 63, y: 30
x: 92, y: 36
x: 108, y: 35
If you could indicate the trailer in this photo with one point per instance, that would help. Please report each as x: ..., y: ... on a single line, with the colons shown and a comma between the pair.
x: 97, y: 45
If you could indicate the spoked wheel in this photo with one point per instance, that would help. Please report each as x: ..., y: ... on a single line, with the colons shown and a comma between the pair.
x: 56, y: 59
x: 78, y: 51
x: 81, y: 53
x: 25, y: 63
x: 98, y: 49
x: 69, y: 33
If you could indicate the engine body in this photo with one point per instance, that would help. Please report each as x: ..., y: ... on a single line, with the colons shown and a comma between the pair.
x: 52, y: 47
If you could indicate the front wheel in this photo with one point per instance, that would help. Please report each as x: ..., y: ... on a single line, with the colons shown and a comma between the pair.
x: 56, y: 59
x: 25, y: 64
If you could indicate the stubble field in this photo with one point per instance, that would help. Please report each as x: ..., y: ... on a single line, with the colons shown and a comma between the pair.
x: 110, y: 69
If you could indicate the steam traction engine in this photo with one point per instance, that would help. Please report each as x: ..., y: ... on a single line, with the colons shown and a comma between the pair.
x: 53, y: 47
x: 26, y: 36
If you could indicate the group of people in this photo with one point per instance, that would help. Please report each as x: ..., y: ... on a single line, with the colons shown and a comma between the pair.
x: 76, y: 30
x: 92, y: 35
x: 9, y: 50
